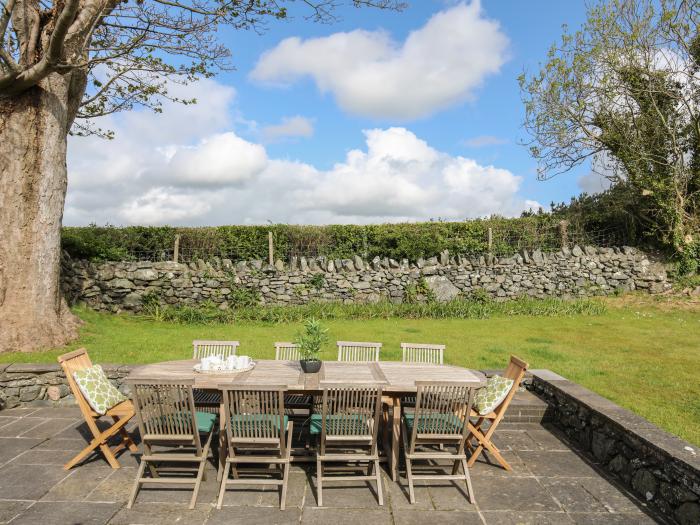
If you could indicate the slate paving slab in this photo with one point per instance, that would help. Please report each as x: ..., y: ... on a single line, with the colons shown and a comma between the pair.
x: 323, y: 516
x: 548, y: 463
x: 525, y: 494
x: 67, y: 513
x: 511, y: 517
x: 255, y: 516
x: 20, y: 426
x: 47, y: 427
x: 29, y: 482
x: 11, y: 509
x: 161, y: 514
x: 598, y: 518
x: 78, y: 484
x: 10, y: 448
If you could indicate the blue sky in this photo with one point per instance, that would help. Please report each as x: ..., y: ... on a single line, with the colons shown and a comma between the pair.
x: 301, y: 132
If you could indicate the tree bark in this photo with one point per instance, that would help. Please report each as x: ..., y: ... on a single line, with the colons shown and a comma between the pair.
x: 33, y: 179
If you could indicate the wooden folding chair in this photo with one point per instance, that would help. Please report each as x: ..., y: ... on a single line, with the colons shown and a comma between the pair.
x: 257, y: 432
x: 358, y: 352
x: 439, y: 418
x: 120, y: 414
x: 515, y: 371
x: 204, y: 400
x: 172, y: 432
x: 347, y: 426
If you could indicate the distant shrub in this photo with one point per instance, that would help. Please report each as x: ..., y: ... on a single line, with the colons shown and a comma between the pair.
x: 397, y: 241
x: 209, y: 313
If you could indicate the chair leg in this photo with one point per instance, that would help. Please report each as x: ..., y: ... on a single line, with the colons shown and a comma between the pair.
x: 468, y: 480
x: 200, y: 474
x: 285, y: 480
x: 137, y: 484
x: 378, y: 472
x: 224, y: 479
x: 409, y: 475
x: 285, y: 472
x: 99, y: 440
x: 319, y: 481
x: 126, y: 438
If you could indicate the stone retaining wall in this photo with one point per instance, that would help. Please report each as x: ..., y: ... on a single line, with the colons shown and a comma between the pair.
x: 45, y: 384
x: 659, y: 468
x: 576, y: 272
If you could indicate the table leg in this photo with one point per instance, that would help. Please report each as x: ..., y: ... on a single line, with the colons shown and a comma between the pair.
x: 395, y: 435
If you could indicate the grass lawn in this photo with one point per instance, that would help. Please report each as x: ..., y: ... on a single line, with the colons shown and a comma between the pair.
x: 642, y: 354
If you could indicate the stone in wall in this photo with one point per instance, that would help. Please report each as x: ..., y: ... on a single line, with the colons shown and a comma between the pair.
x: 569, y: 273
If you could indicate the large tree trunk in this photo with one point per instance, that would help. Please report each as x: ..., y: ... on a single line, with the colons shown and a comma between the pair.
x: 33, y: 178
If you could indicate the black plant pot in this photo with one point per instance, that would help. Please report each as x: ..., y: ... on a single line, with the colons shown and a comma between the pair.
x: 310, y: 366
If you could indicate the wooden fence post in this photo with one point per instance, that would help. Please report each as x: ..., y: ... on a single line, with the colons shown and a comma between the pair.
x: 270, y: 248
x: 176, y: 248
x: 490, y: 240
x: 564, y: 233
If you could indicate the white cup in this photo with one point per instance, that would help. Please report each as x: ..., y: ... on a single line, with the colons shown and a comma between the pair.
x: 243, y: 361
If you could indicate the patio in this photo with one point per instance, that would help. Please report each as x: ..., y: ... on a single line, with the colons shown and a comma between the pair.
x: 551, y: 483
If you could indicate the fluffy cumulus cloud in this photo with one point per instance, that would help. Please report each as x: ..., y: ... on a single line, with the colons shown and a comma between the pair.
x: 173, y: 168
x: 371, y: 74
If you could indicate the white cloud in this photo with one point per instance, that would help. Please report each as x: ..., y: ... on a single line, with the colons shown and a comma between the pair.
x: 289, y: 127
x: 216, y: 177
x: 218, y: 160
x: 482, y: 141
x: 437, y: 66
x: 162, y: 206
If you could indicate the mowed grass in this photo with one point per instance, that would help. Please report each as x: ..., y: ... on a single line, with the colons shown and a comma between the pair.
x: 644, y: 355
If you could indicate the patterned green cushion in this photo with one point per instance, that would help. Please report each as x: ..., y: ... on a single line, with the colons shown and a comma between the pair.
x: 97, y: 389
x: 492, y: 395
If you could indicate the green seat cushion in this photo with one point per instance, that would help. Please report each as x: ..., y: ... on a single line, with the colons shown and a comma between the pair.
x: 434, y: 423
x: 489, y: 397
x: 97, y: 389
x: 336, y: 422
x: 244, y: 424
x: 205, y: 421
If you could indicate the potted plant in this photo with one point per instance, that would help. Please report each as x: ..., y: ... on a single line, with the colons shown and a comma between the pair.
x: 310, y: 341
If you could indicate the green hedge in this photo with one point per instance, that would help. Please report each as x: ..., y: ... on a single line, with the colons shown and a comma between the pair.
x: 397, y: 241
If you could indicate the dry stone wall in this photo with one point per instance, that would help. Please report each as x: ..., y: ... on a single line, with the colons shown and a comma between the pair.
x: 576, y: 272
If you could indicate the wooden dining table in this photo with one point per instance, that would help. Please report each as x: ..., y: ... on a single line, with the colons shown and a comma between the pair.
x: 396, y: 378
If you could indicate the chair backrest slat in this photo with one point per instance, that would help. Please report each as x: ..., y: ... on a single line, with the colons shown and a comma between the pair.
x: 165, y: 410
x: 423, y: 353
x: 287, y: 351
x: 208, y: 348
x: 358, y: 351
